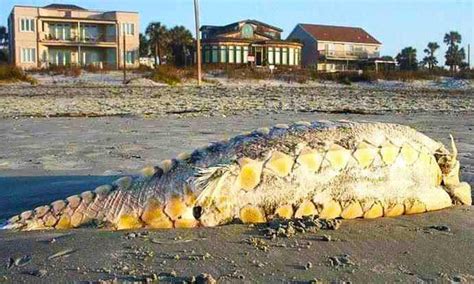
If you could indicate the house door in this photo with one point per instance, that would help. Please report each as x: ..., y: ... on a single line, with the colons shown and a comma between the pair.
x: 59, y: 57
x: 258, y: 58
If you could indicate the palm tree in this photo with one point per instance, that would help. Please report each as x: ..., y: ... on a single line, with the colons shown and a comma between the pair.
x: 452, y: 38
x: 180, y: 35
x: 3, y: 35
x: 3, y: 44
x: 181, y: 41
x: 430, y: 58
x: 407, y: 59
x: 454, y: 55
x: 158, y: 37
x: 144, y: 49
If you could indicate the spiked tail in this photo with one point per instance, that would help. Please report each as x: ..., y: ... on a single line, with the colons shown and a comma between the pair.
x: 100, y: 206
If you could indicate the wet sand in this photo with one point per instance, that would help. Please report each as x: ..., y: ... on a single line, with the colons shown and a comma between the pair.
x: 42, y: 160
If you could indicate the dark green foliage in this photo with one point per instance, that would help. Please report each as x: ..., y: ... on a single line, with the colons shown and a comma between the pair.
x: 3, y: 55
x: 407, y: 59
x: 430, y: 58
x: 181, y: 44
x: 175, y: 44
x: 158, y: 40
x: 3, y: 44
x: 454, y: 55
x: 144, y: 49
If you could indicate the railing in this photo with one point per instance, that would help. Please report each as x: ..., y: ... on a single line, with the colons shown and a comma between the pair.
x: 45, y: 37
x: 348, y: 54
x: 99, y: 39
x: 71, y: 14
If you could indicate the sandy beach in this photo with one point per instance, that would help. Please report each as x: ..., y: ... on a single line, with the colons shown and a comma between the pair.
x: 44, y: 159
x: 71, y: 100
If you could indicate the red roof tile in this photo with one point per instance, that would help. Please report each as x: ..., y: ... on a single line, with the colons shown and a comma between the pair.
x: 336, y: 33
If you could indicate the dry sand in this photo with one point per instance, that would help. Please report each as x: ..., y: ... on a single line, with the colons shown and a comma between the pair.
x: 219, y: 100
x: 42, y: 160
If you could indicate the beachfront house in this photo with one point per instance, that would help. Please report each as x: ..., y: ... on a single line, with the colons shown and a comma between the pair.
x: 336, y: 48
x: 61, y: 34
x: 248, y: 42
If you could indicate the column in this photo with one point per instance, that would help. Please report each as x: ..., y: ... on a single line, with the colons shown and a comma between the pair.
x: 79, y: 37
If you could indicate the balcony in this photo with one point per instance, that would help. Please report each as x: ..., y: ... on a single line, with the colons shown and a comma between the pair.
x: 347, y: 55
x: 74, y: 39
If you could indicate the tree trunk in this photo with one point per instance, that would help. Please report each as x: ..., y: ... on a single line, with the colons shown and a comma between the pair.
x: 156, y: 55
x: 159, y: 53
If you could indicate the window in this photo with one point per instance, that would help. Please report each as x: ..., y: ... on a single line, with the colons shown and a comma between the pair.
x: 90, y: 32
x: 231, y: 54
x: 277, y: 55
x: 92, y: 57
x: 27, y: 25
x: 224, y: 54
x: 284, y: 57
x: 291, y: 56
x: 247, y: 31
x: 60, y: 31
x: 238, y: 54
x: 270, y: 55
x: 130, y: 57
x: 207, y: 54
x: 246, y: 54
x: 28, y: 55
x: 297, y: 56
x: 128, y: 28
x: 215, y: 54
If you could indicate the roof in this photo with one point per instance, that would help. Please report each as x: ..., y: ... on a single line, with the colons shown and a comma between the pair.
x: 70, y: 7
x: 230, y: 26
x: 64, y: 7
x: 338, y: 33
x: 250, y: 41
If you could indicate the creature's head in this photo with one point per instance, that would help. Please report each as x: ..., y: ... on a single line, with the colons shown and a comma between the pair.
x: 460, y: 192
x: 449, y: 164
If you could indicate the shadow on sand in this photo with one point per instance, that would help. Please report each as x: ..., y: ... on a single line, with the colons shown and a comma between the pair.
x: 18, y: 194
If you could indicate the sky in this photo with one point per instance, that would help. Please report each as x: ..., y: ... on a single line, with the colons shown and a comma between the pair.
x: 395, y: 23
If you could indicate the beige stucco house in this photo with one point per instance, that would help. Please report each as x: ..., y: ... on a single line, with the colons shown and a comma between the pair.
x: 336, y: 48
x: 60, y: 34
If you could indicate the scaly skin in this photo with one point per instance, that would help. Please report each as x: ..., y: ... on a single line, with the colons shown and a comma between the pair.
x: 330, y: 169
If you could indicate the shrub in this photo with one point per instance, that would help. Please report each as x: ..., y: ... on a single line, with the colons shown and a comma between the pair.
x: 166, y: 74
x: 92, y: 68
x: 406, y: 76
x: 68, y: 70
x: 346, y: 78
x: 142, y: 69
x: 371, y: 76
x: 12, y: 74
x: 465, y: 74
x: 244, y: 72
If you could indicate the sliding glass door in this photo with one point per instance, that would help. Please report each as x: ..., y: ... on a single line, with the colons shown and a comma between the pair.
x: 59, y: 57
